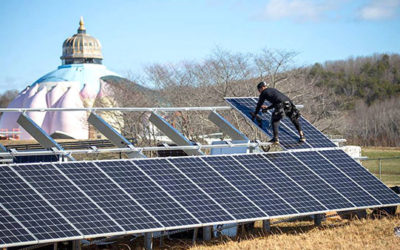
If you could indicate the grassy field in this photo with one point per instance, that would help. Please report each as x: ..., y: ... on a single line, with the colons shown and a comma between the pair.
x: 342, y: 234
x: 390, y: 167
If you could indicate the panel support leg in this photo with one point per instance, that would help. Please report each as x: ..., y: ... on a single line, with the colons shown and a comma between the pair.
x: 76, y: 245
x: 55, y: 246
x: 162, y: 239
x: 195, y: 232
x: 318, y: 219
x: 207, y: 233
x: 148, y: 241
x: 267, y: 226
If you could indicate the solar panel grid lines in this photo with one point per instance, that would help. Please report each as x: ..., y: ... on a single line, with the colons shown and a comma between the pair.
x: 217, y: 187
x: 71, y: 203
x: 186, y: 192
x: 161, y: 226
x: 362, y: 176
x: 337, y: 178
x: 237, y: 189
x: 327, y: 183
x: 252, y: 187
x: 308, y: 181
x: 89, y: 197
x: 168, y: 212
x: 12, y: 231
x: 245, y: 105
x: 157, y: 162
x: 32, y: 209
x: 109, y: 197
x: 282, y: 184
x: 287, y: 132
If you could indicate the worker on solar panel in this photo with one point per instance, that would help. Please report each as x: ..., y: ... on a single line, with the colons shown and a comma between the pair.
x: 282, y: 106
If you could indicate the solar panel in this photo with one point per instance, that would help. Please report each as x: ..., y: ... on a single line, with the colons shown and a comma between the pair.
x: 309, y: 181
x: 253, y: 188
x: 11, y: 232
x: 287, y: 132
x: 184, y: 191
x: 299, y: 199
x: 361, y: 176
x: 111, y: 198
x: 151, y: 196
x: 218, y: 188
x: 33, y: 212
x: 337, y: 179
x: 68, y: 200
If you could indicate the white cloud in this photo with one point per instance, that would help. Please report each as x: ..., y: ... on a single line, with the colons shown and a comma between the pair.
x: 304, y: 10
x: 379, y: 10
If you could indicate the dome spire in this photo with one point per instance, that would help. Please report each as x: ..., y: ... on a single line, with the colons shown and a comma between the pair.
x: 82, y: 28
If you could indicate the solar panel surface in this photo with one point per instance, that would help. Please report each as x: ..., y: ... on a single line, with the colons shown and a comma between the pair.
x: 184, y: 191
x: 67, y: 199
x: 339, y: 180
x: 11, y: 232
x: 71, y: 200
x: 361, y: 176
x: 112, y: 199
x: 30, y: 209
x: 155, y: 200
x: 249, y: 185
x: 218, y: 188
x: 288, y: 134
x: 278, y: 181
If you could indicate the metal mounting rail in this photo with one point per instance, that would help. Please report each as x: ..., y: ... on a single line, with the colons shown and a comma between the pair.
x: 137, y: 109
x: 118, y: 150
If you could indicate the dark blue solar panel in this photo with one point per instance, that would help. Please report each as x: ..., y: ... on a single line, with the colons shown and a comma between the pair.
x: 167, y: 211
x: 288, y: 134
x: 218, y: 188
x: 30, y: 209
x: 11, y: 231
x: 337, y: 179
x: 67, y: 199
x: 122, y: 208
x: 248, y: 184
x: 311, y: 182
x: 184, y: 191
x: 361, y: 176
x: 280, y: 183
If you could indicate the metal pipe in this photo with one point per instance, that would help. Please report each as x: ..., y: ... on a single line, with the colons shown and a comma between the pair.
x: 135, y: 109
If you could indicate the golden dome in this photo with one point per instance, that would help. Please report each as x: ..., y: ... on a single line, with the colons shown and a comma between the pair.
x: 81, y: 48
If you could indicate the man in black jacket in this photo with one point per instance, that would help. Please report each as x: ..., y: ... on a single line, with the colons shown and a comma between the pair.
x: 282, y: 106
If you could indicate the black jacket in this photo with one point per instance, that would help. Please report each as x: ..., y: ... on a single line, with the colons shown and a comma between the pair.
x: 273, y: 96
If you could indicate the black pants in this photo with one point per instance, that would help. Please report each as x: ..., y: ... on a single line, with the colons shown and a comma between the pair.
x: 280, y: 111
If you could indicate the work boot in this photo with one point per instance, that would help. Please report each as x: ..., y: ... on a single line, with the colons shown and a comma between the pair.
x: 302, y: 138
x: 274, y: 140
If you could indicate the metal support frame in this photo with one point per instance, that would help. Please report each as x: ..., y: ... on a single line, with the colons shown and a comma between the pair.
x: 148, y: 241
x: 39, y: 134
x: 267, y: 226
x: 76, y: 245
x: 172, y: 133
x: 318, y: 219
x: 113, y: 135
x: 226, y: 127
x: 123, y: 109
x: 207, y: 230
x: 195, y: 232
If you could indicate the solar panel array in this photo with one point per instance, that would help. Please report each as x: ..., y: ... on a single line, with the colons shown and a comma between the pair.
x: 75, y: 200
x: 289, y: 138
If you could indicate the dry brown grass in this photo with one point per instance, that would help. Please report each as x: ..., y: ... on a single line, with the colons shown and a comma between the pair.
x: 357, y: 234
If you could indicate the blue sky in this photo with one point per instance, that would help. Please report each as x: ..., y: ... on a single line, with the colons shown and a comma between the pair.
x: 137, y: 33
